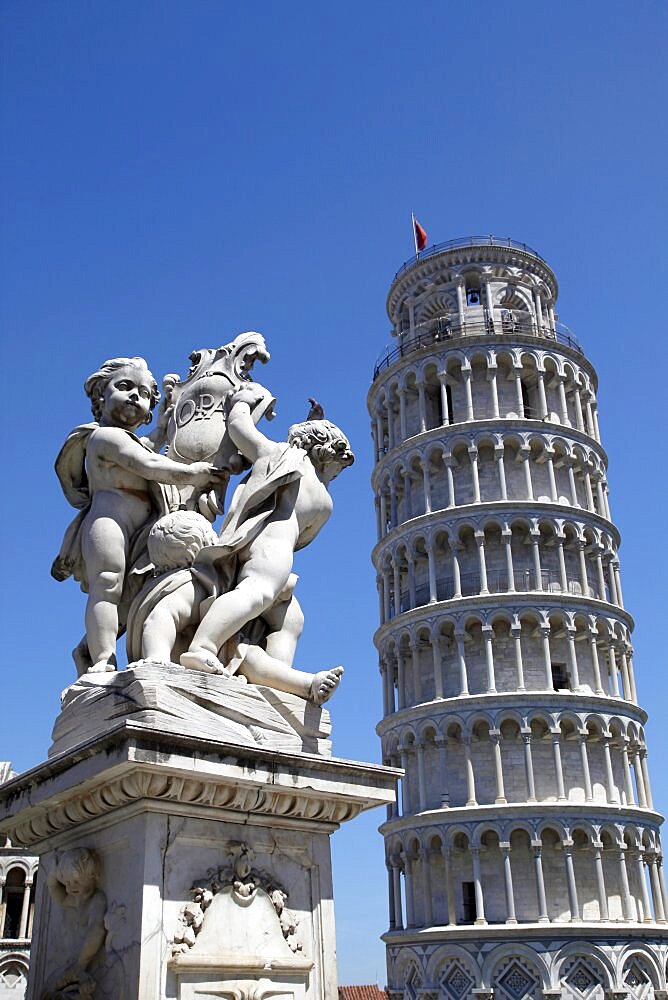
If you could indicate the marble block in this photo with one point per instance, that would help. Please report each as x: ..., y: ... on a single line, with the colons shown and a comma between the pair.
x: 186, y: 702
x: 208, y: 865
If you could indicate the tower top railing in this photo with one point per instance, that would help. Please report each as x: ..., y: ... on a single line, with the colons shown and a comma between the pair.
x: 468, y: 241
x: 445, y: 328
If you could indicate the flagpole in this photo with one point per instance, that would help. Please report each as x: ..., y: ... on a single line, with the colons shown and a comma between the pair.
x: 414, y: 234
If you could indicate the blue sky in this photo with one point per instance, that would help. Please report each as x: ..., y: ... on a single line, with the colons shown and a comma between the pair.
x: 176, y: 172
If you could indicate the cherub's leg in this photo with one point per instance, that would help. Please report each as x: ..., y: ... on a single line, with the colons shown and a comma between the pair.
x: 167, y: 619
x: 104, y: 552
x: 260, y: 668
x: 261, y: 579
x: 285, y: 621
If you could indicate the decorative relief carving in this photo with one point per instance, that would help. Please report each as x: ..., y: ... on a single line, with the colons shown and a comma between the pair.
x: 89, y: 926
x: 244, y: 883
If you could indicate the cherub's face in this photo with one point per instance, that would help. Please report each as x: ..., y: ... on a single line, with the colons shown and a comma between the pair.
x: 126, y: 401
x: 78, y: 886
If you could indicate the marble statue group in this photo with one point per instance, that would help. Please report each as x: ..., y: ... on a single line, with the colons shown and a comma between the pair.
x: 143, y: 545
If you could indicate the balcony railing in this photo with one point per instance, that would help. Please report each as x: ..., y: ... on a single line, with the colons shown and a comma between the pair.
x: 497, y: 583
x: 444, y: 328
x: 468, y: 241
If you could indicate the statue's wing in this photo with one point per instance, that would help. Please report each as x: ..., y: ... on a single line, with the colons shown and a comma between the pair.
x: 71, y: 467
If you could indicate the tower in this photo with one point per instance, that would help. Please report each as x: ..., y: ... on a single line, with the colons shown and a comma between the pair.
x: 523, y: 856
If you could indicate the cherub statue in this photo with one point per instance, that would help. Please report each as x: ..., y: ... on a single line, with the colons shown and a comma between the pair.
x: 280, y: 508
x: 111, y: 475
x: 74, y: 885
x: 165, y: 614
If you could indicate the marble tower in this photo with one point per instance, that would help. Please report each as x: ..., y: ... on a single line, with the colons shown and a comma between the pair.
x: 524, y: 858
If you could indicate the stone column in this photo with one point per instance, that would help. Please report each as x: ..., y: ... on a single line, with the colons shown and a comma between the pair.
x: 573, y: 904
x: 437, y: 656
x: 422, y: 407
x: 401, y: 680
x: 473, y: 458
x: 628, y: 783
x: 593, y: 636
x: 642, y: 754
x: 426, y: 485
x: 449, y: 888
x: 537, y: 568
x: 442, y: 744
x: 499, y: 455
x: 488, y: 636
x: 563, y: 576
x: 489, y: 302
x: 466, y: 375
x: 547, y: 656
x: 524, y: 453
x: 426, y: 885
x: 431, y: 564
x: 392, y: 920
x: 573, y: 659
x: 579, y: 418
x: 456, y: 574
x: 542, y: 397
x: 410, y: 563
x: 470, y: 776
x: 416, y: 671
x: 628, y: 906
x: 507, y: 537
x: 644, y: 896
x: 482, y: 563
x: 528, y: 766
x: 410, y: 893
x: 589, y: 797
x: 447, y: 417
x: 460, y: 302
x: 405, y: 784
x: 491, y: 378
x: 563, y: 405
x: 657, y: 897
x: 536, y: 847
x: 495, y: 737
x: 449, y: 462
x: 558, y: 769
x: 396, y: 584
x: 571, y: 482
x: 600, y: 881
x: 549, y: 452
x: 613, y: 670
x: 508, y: 883
x: 640, y: 780
x: 422, y: 781
x: 25, y: 910
x: 581, y: 545
x: 396, y: 882
x: 402, y: 412
x: 461, y: 656
x: 477, y: 885
x: 518, y: 392
x: 613, y: 797
x: 516, y: 633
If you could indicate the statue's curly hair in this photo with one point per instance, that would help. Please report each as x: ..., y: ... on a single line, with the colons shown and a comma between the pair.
x: 323, y: 441
x: 96, y: 383
x: 176, y: 538
x: 78, y: 862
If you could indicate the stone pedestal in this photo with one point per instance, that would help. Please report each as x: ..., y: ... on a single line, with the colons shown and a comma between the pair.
x: 214, y: 863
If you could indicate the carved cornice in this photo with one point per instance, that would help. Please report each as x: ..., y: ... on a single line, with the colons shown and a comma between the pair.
x: 128, y: 767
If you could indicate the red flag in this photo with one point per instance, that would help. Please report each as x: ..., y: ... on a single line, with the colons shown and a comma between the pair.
x: 420, y: 235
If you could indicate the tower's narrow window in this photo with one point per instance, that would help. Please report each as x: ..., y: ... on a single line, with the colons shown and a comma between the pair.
x: 469, y: 910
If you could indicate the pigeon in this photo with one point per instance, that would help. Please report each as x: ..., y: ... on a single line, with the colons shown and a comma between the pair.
x: 316, y: 412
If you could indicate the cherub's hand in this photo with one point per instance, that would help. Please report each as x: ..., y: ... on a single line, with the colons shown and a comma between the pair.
x: 203, y: 473
x: 250, y: 394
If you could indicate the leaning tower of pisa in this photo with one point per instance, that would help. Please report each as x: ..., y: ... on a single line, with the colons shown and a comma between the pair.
x: 523, y: 855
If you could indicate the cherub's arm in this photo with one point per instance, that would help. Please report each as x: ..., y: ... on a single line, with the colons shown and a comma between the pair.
x: 115, y: 445
x: 56, y: 888
x: 95, y: 938
x: 240, y: 425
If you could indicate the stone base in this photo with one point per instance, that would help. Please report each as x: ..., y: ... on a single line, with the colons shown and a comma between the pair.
x: 554, y: 960
x: 167, y: 697
x: 163, y: 813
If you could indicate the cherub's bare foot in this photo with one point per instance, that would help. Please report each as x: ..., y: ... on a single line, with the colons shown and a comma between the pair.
x: 324, y: 684
x: 202, y: 659
x: 81, y: 657
x: 102, y: 667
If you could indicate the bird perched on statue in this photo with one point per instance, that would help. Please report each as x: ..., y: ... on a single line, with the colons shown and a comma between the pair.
x: 316, y: 412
